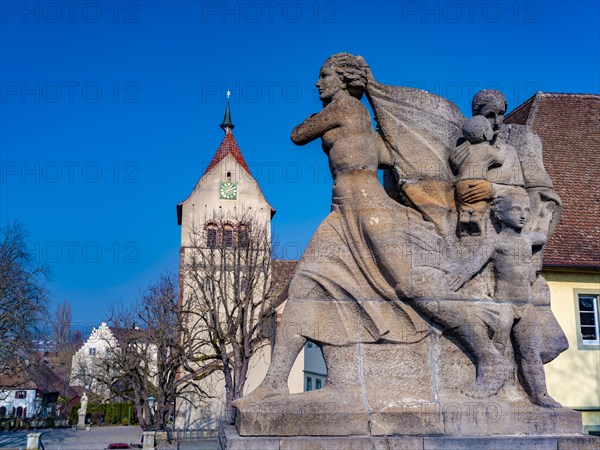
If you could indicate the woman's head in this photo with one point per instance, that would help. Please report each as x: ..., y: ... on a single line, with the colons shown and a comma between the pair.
x: 491, y: 104
x: 351, y: 70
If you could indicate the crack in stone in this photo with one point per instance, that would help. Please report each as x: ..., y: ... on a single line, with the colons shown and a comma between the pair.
x: 362, y: 377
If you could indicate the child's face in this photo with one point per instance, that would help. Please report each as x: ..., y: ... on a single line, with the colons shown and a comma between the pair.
x: 516, y: 212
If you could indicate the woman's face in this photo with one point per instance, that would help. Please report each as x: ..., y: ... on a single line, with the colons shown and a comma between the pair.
x: 494, y: 113
x: 329, y: 83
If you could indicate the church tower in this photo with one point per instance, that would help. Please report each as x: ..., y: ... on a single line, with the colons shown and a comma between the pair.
x: 226, y: 190
x: 223, y: 222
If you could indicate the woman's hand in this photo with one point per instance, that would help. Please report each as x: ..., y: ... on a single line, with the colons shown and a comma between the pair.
x: 476, y: 191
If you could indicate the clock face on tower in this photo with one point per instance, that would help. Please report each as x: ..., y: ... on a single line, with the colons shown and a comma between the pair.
x: 228, y: 191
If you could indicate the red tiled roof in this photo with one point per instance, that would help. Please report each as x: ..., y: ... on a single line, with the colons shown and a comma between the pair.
x: 569, y: 127
x: 228, y: 147
x: 36, y: 375
x: 282, y: 271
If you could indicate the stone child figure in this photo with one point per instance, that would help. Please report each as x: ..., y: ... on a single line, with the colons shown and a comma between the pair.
x: 492, y: 105
x: 510, y: 253
x: 482, y: 156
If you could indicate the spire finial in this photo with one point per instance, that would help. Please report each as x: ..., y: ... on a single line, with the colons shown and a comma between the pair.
x: 227, y: 124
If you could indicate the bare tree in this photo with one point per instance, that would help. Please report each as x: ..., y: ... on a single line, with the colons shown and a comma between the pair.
x: 61, y: 326
x: 228, y: 299
x: 170, y: 346
x: 143, y: 356
x: 22, y: 299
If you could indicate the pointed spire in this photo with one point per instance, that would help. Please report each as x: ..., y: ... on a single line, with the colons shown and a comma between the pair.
x: 227, y: 124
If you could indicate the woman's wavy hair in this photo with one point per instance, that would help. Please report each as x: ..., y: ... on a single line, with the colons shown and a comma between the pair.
x: 352, y: 70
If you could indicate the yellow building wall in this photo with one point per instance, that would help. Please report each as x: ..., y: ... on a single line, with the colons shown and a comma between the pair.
x: 573, y: 378
x: 259, y: 364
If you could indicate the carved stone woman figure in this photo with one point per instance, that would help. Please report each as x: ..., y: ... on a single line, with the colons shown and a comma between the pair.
x: 84, y: 402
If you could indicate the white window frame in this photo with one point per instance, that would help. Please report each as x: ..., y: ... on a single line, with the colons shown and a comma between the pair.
x: 587, y: 344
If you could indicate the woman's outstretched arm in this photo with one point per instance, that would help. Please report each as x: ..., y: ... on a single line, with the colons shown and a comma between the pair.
x: 316, y: 125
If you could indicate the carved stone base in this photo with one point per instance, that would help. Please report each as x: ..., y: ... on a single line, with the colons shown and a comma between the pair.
x: 333, y: 414
x: 402, y: 389
x: 81, y: 422
x: 579, y: 442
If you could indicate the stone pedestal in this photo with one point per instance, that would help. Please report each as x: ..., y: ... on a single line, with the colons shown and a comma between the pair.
x: 33, y: 441
x: 412, y: 389
x: 81, y: 422
x: 149, y: 438
x: 333, y: 413
x: 565, y: 442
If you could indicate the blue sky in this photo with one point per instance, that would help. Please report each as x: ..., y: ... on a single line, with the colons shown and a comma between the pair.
x: 110, y: 109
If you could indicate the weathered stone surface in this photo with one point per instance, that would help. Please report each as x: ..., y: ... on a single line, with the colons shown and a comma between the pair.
x: 279, y: 417
x: 491, y: 443
x: 328, y: 413
x: 235, y: 442
x: 578, y: 442
x: 356, y: 443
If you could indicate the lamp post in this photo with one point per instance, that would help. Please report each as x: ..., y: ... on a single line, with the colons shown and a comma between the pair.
x: 37, y: 404
x: 151, y: 400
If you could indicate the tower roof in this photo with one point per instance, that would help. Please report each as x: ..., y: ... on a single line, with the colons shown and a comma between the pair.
x: 227, y: 123
x: 228, y: 146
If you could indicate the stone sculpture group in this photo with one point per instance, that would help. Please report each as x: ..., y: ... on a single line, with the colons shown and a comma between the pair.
x: 424, y: 293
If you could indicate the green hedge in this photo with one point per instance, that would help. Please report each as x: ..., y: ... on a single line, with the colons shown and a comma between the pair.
x: 73, y: 414
x: 111, y: 413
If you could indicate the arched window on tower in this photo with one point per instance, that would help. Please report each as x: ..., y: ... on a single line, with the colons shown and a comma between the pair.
x: 228, y: 240
x: 212, y: 235
x: 208, y: 286
x: 243, y: 235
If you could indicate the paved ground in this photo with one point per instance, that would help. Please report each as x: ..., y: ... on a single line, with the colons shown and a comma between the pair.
x: 97, y: 438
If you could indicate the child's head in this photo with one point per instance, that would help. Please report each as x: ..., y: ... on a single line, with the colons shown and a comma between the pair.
x: 511, y: 209
x: 477, y: 129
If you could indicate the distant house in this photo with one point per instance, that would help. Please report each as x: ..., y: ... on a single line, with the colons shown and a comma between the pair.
x: 85, y: 366
x: 569, y: 127
x: 91, y: 368
x: 38, y: 380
